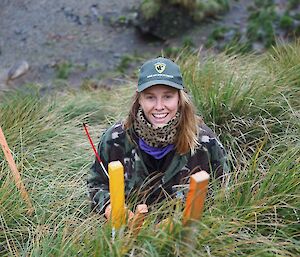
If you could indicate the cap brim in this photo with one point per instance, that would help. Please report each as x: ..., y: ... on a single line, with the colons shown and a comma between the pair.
x: 158, y: 82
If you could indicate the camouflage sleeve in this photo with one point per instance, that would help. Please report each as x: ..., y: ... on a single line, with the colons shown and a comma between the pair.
x: 98, y: 184
x: 217, y: 153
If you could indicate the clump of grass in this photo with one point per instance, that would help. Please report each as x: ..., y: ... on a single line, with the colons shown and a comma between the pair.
x: 150, y: 8
x: 261, y: 22
x: 267, y: 21
x: 13, y: 211
x: 197, y: 9
x: 53, y: 154
x: 241, y: 99
x: 126, y: 62
x: 63, y: 70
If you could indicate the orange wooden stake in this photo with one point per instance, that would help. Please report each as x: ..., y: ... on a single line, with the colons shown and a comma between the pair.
x: 196, y: 196
x: 15, y: 172
x: 138, y: 219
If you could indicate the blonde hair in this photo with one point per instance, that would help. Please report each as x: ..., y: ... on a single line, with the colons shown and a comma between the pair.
x: 187, y: 131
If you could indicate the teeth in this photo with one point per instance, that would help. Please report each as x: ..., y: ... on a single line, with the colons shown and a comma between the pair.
x: 160, y: 115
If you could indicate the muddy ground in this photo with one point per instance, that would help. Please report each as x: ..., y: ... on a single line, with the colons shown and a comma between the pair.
x: 92, y: 36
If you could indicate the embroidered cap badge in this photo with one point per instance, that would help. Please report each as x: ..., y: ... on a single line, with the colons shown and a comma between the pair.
x: 160, y: 67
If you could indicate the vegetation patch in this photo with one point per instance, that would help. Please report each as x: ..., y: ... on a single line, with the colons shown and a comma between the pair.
x: 250, y: 101
x: 267, y: 21
x: 165, y: 19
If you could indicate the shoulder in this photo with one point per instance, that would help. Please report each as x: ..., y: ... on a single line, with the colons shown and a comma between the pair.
x: 204, y: 132
x: 207, y: 137
x: 114, y: 133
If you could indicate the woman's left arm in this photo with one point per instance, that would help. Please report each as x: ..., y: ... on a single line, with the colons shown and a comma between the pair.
x: 217, y: 154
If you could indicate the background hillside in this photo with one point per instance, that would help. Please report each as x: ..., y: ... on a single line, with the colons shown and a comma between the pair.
x: 68, y: 42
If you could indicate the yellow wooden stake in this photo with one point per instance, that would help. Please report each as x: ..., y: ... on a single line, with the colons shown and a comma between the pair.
x: 15, y: 172
x: 196, y: 196
x: 117, y: 193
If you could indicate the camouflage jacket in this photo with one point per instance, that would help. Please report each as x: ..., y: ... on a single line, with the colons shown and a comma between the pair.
x: 148, y: 180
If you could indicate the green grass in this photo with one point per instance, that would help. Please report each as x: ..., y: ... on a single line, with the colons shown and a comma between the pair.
x: 267, y: 20
x: 251, y: 101
x: 198, y: 9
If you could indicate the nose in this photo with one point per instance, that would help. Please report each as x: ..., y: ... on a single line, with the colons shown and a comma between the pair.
x: 159, y: 104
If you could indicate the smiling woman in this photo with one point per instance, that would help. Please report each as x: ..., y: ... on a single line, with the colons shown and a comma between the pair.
x: 161, y: 143
x: 159, y: 104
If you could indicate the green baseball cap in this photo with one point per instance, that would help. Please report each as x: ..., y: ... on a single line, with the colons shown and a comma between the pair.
x: 159, y: 71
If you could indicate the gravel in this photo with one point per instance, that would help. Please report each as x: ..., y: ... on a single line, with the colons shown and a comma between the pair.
x: 92, y: 36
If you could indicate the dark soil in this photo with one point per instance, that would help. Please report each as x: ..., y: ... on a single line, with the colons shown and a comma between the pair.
x: 91, y: 38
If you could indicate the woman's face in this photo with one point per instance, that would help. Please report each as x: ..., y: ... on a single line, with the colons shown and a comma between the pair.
x: 160, y: 104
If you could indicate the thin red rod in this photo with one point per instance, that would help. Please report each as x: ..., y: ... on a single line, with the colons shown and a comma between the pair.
x: 93, y: 146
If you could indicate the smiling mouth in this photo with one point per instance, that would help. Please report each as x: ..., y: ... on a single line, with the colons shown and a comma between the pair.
x: 160, y: 115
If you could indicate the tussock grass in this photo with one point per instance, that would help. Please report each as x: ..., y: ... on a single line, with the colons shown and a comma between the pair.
x: 247, y: 99
x: 250, y: 101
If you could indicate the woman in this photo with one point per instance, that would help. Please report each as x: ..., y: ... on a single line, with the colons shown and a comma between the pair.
x: 161, y: 142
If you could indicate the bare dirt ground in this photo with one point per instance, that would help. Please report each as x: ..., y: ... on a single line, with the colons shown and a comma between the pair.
x: 93, y: 36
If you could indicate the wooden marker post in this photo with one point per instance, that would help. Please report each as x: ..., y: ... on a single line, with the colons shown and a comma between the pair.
x: 117, y: 193
x: 15, y: 172
x: 196, y: 197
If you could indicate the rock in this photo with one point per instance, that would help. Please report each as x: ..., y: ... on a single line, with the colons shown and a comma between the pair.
x: 258, y: 47
x: 17, y: 70
x: 3, y: 78
x: 168, y: 22
x: 71, y: 16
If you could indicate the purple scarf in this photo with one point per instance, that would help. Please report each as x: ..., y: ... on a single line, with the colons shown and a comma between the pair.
x: 156, y: 152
